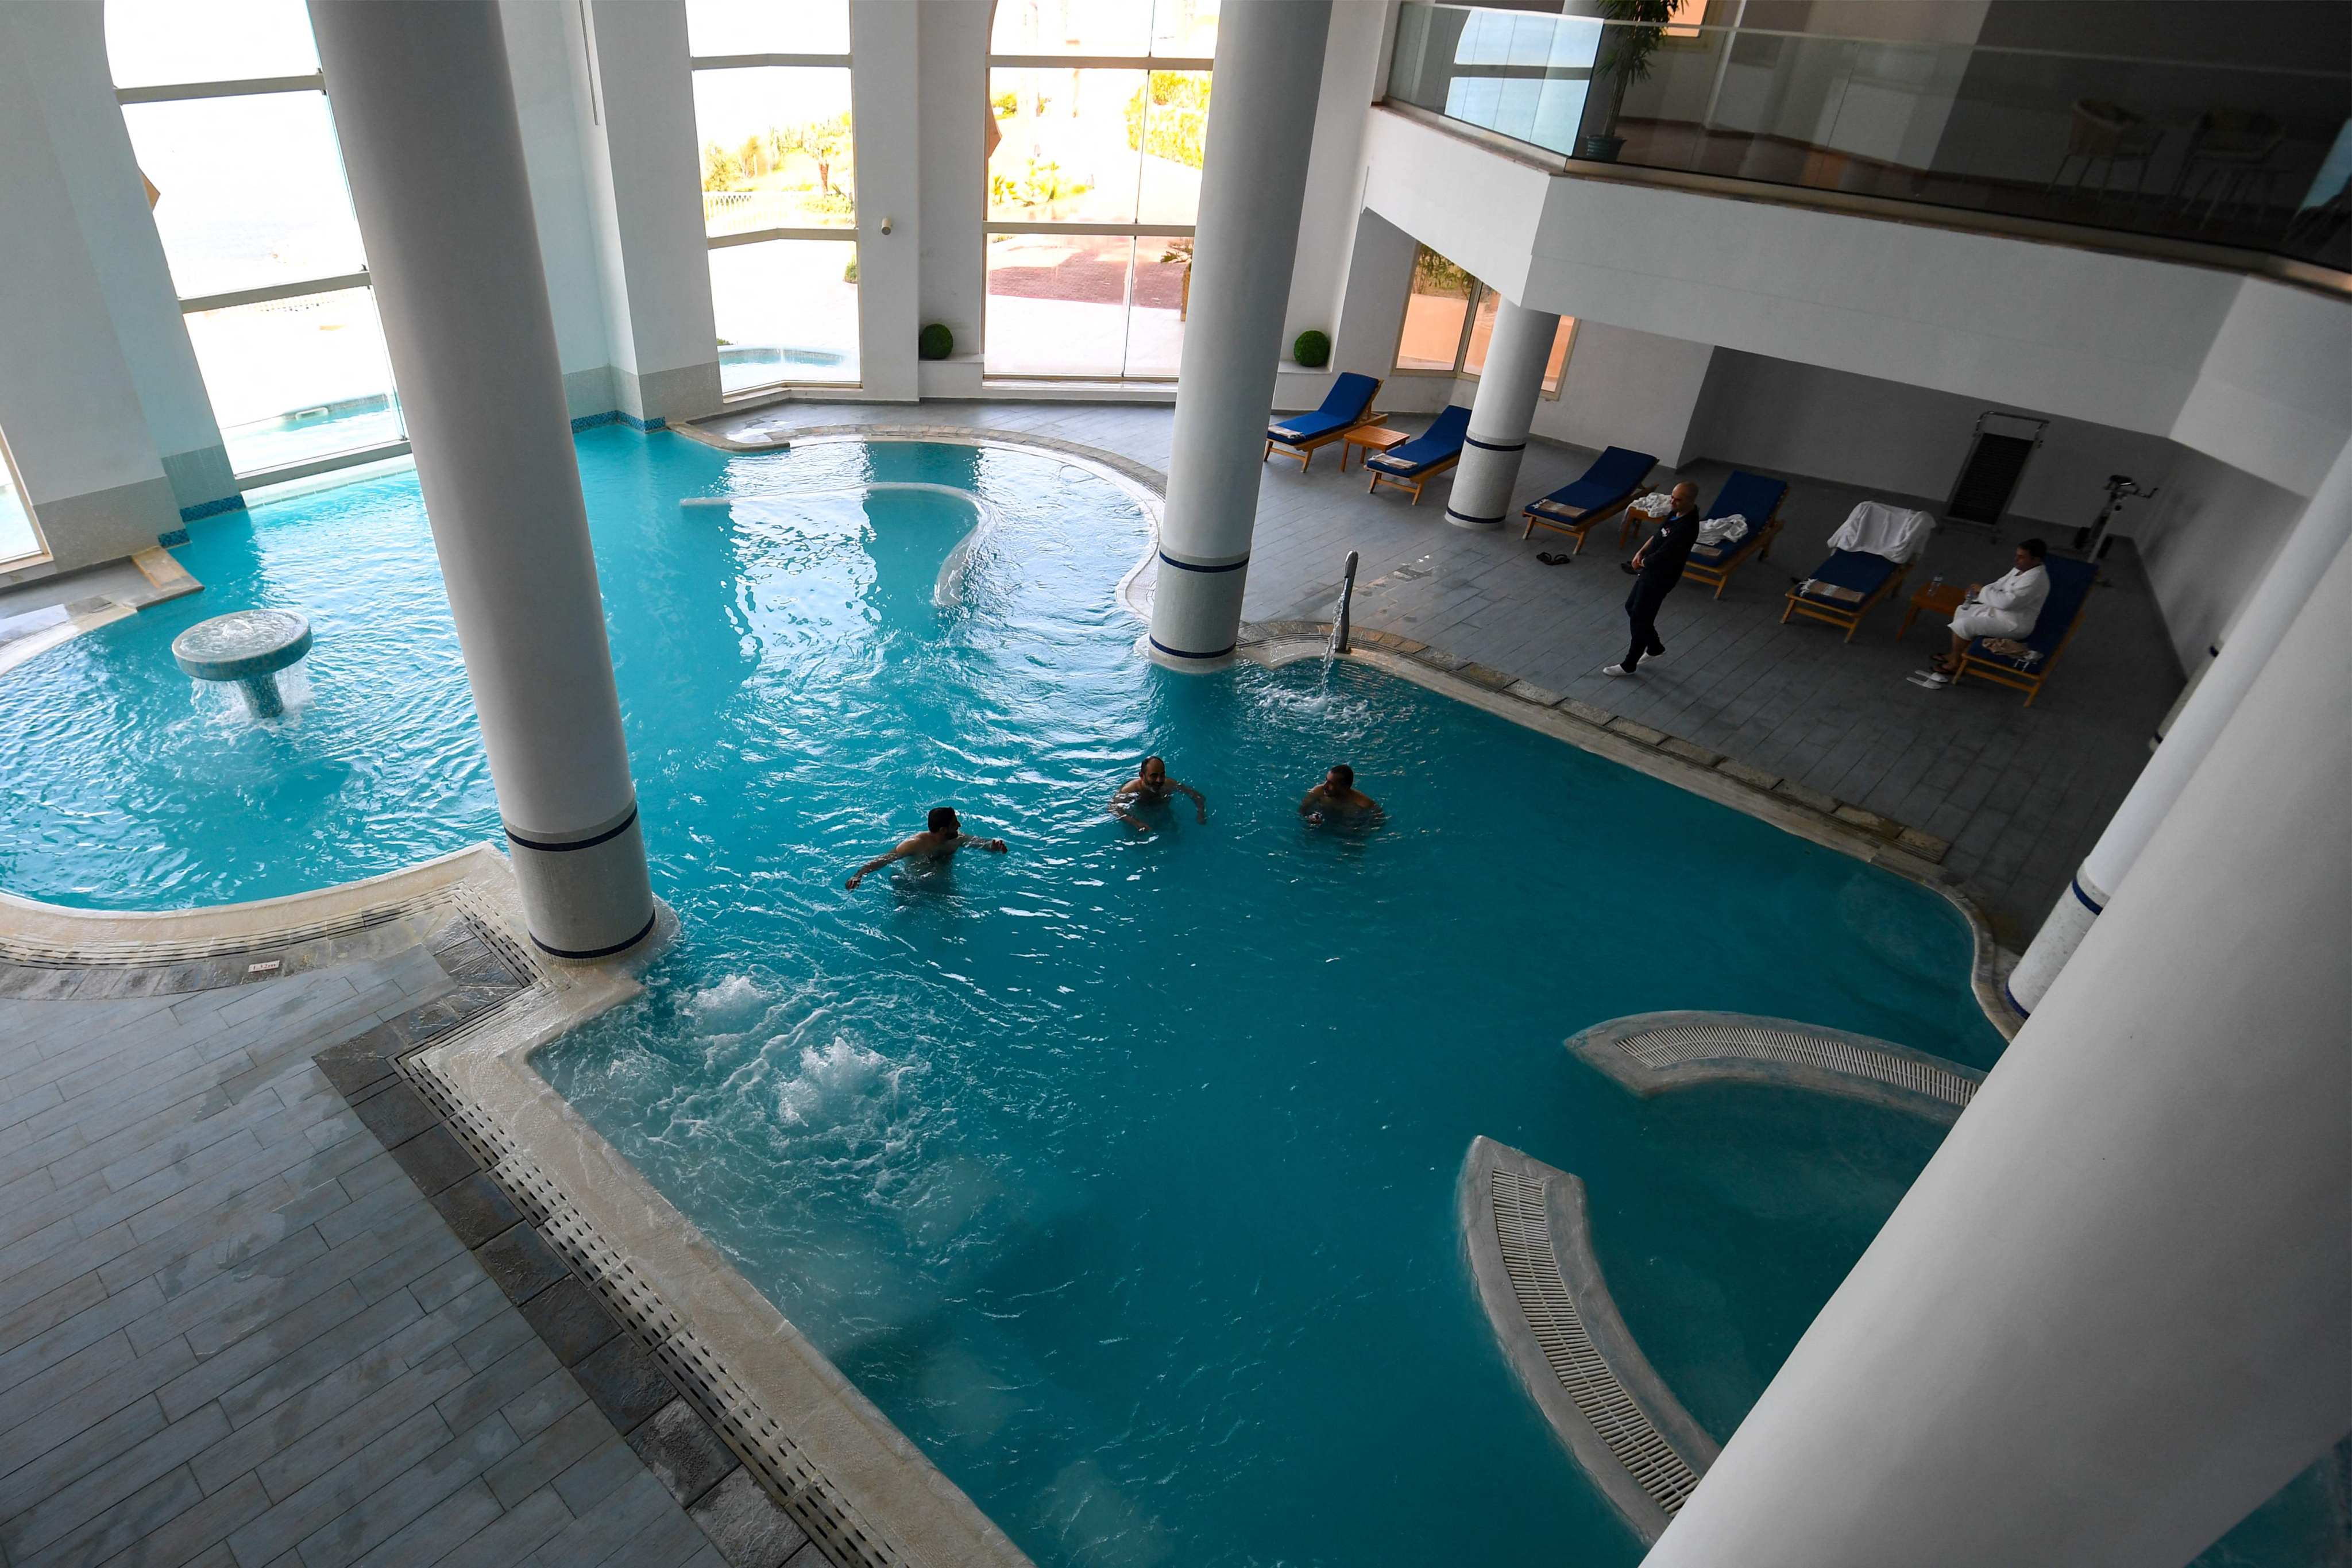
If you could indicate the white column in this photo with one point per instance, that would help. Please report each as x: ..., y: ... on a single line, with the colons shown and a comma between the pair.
x: 434, y: 154
x: 1253, y: 179
x: 1499, y: 417
x: 2114, y: 1313
x: 2316, y: 540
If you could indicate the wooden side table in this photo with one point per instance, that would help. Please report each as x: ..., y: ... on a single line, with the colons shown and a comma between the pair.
x: 1369, y: 438
x: 1936, y: 598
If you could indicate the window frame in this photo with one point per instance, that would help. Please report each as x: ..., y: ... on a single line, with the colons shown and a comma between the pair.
x: 193, y: 304
x: 990, y: 227
x: 1480, y: 290
x: 850, y: 232
x: 40, y: 552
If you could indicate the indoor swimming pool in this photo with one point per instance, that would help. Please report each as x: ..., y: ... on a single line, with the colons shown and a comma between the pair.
x: 1118, y: 1170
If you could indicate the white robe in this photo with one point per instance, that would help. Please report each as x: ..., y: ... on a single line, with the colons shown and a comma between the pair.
x: 2007, y: 607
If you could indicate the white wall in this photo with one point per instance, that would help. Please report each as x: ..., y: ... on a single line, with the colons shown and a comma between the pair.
x: 64, y: 47
x: 540, y: 58
x: 1625, y: 388
x: 2206, y: 542
x: 953, y: 172
x: 633, y: 103
x: 67, y: 405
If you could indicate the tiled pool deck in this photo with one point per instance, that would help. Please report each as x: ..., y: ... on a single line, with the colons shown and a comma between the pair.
x: 2019, y: 792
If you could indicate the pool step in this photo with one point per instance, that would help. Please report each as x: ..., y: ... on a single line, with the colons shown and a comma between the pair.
x: 1529, y: 1241
x: 1651, y: 1052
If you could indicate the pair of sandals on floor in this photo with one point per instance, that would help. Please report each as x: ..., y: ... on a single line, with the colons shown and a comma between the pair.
x: 1936, y: 677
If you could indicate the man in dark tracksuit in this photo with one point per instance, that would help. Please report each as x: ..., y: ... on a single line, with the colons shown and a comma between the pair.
x: 1658, y: 566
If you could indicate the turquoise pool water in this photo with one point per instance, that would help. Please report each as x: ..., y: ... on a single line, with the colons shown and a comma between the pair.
x: 1118, y: 1170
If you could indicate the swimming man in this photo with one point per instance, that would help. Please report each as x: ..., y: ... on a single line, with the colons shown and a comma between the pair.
x: 1152, y: 787
x: 936, y: 845
x: 1337, y: 798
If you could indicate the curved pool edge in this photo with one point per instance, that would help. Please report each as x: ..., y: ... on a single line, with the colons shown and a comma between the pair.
x: 1547, y: 714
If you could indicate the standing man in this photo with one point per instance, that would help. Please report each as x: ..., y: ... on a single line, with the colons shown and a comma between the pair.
x: 1152, y: 787
x: 1658, y: 566
x: 933, y: 847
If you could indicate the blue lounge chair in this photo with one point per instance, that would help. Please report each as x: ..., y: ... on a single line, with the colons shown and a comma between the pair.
x: 1866, y: 577
x: 2070, y: 596
x: 1753, y: 496
x: 1612, y: 479
x: 1424, y: 456
x: 1347, y: 404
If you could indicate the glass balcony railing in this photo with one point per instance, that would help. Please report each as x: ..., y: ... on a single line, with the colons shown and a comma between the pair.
x: 2255, y: 158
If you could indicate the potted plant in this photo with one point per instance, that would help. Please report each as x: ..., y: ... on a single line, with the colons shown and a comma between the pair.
x: 1624, y: 59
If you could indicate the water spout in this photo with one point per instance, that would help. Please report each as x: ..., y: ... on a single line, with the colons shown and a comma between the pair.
x: 1338, y: 644
x: 248, y: 647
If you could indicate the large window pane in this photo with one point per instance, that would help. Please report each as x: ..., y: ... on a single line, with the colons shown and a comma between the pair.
x: 1065, y: 152
x: 777, y: 148
x: 1558, y: 363
x: 767, y: 28
x: 787, y: 312
x: 296, y: 379
x: 1434, y: 314
x: 19, y: 537
x: 248, y: 191
x: 1482, y: 332
x: 1157, y: 300
x: 156, y: 43
x: 1169, y: 123
x: 1056, y: 304
x: 1071, y: 27
x: 1169, y: 27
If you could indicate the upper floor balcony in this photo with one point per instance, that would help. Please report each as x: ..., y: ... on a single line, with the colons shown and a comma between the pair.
x: 2237, y: 165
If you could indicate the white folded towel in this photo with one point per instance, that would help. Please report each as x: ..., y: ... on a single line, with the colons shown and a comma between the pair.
x: 1723, y: 530
x: 1657, y: 504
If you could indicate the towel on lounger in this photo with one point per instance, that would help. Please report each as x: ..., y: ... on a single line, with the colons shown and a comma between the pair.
x: 1723, y: 530
x: 1874, y: 527
x: 1814, y: 588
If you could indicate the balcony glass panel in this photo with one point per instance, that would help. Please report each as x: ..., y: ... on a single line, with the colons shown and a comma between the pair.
x: 2256, y: 157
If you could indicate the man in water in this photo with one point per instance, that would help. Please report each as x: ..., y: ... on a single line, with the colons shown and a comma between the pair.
x: 1151, y: 786
x: 934, y: 847
x: 1337, y: 798
x: 1658, y: 566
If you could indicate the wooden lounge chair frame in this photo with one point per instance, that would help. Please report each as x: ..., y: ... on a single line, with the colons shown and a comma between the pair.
x: 1578, y: 527
x: 1758, y: 547
x: 2026, y: 680
x: 1305, y: 451
x: 1848, y: 616
x: 1414, y: 483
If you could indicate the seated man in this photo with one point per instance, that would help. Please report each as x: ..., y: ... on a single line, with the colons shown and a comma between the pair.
x: 1337, y: 798
x: 936, y: 845
x: 1152, y: 787
x: 2007, y: 607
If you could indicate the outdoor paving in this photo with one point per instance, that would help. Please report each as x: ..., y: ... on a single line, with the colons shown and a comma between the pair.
x: 2019, y: 792
x: 234, y: 1330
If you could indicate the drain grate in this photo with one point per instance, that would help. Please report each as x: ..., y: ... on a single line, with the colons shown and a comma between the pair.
x: 1523, y: 1232
x: 731, y: 1408
x: 1678, y: 1045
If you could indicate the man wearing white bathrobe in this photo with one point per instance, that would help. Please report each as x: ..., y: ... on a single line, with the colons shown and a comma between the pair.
x: 2005, y: 607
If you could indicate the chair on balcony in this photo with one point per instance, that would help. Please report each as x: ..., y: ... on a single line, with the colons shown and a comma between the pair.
x: 1602, y: 493
x: 1753, y: 496
x: 2061, y: 611
x: 1424, y: 458
x: 2232, y: 161
x: 1347, y: 404
x: 2107, y: 133
x: 1870, y: 555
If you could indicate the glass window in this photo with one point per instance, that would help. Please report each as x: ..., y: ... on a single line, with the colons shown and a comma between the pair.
x: 1435, y: 312
x: 20, y: 538
x: 1108, y: 153
x: 778, y: 150
x: 1065, y: 153
x: 1057, y: 304
x: 786, y: 311
x: 159, y: 43
x: 767, y: 28
x: 1168, y: 28
x: 248, y: 191
x: 297, y: 379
